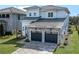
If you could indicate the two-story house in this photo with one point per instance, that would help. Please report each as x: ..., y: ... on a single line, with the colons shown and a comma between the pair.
x: 46, y: 23
x: 9, y: 19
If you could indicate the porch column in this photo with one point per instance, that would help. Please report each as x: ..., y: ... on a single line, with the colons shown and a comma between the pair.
x: 29, y: 36
x: 43, y: 36
x: 59, y: 39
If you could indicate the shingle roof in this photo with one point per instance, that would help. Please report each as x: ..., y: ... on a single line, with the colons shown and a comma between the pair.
x: 55, y: 7
x: 48, y: 23
x: 48, y: 7
x: 51, y: 19
x: 12, y: 10
x: 30, y: 18
x: 32, y: 7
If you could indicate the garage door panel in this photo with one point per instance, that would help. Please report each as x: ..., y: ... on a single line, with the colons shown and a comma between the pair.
x: 36, y: 36
x: 51, y: 38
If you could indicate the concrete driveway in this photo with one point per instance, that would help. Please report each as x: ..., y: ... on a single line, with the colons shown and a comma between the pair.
x: 36, y: 48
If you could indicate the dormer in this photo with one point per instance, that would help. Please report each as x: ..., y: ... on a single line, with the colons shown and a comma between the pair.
x: 32, y: 11
x: 50, y: 11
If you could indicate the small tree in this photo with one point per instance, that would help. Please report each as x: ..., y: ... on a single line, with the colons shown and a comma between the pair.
x: 1, y: 29
x: 74, y: 21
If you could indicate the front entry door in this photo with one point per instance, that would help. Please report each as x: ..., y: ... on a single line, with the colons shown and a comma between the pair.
x: 1, y: 29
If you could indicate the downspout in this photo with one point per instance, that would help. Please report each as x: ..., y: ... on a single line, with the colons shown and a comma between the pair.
x: 11, y: 21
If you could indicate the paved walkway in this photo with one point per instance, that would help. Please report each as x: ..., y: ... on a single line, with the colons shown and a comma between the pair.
x: 36, y: 48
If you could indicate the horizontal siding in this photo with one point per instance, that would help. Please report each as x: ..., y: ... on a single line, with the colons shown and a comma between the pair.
x: 44, y: 14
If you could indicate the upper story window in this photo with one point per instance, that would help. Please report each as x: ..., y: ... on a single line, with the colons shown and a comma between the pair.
x: 7, y: 15
x: 18, y: 17
x: 3, y: 16
x: 30, y: 14
x: 34, y: 14
x: 50, y: 14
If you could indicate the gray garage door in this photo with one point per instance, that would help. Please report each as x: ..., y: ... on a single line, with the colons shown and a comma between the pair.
x: 51, y: 38
x: 36, y: 36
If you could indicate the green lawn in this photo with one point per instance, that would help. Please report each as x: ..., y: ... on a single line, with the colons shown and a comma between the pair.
x: 6, y: 38
x: 8, y: 44
x: 73, y: 47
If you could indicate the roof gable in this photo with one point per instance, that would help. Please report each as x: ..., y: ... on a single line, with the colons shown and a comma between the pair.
x: 48, y: 7
x: 52, y: 7
x: 12, y: 10
x: 32, y: 7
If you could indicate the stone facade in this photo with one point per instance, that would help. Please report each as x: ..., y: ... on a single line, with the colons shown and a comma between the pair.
x: 11, y: 19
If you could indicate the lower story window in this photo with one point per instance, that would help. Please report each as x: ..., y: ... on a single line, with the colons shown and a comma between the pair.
x: 23, y: 28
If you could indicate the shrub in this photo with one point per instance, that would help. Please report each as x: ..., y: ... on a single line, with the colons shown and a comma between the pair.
x: 8, y: 33
x: 78, y: 32
x: 66, y: 42
x: 70, y: 31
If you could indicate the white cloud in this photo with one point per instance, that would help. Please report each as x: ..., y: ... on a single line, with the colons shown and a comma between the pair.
x: 39, y: 2
x: 21, y: 7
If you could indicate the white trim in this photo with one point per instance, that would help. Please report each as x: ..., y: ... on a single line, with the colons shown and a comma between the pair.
x: 58, y: 38
x: 43, y: 36
x: 30, y: 35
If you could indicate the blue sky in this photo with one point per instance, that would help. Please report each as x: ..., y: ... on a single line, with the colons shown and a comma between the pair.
x: 74, y: 9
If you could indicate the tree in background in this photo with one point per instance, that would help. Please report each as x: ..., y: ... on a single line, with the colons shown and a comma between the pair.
x: 75, y: 21
x: 1, y: 29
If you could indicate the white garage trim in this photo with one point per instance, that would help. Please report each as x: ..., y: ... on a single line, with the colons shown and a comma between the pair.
x: 58, y: 38
x: 43, y: 36
x: 29, y: 36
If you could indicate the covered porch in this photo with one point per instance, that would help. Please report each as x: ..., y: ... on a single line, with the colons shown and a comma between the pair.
x: 3, y: 27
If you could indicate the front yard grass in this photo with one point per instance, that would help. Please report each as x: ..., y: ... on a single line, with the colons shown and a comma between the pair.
x: 73, y: 47
x: 8, y: 44
x: 6, y: 38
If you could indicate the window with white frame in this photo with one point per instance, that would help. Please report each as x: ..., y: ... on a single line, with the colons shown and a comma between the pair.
x: 34, y: 14
x: 50, y: 14
x: 23, y: 28
x: 7, y: 15
x: 4, y: 15
x: 30, y: 14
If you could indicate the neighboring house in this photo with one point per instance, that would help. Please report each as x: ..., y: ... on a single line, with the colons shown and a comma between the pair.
x: 9, y: 19
x: 46, y: 23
